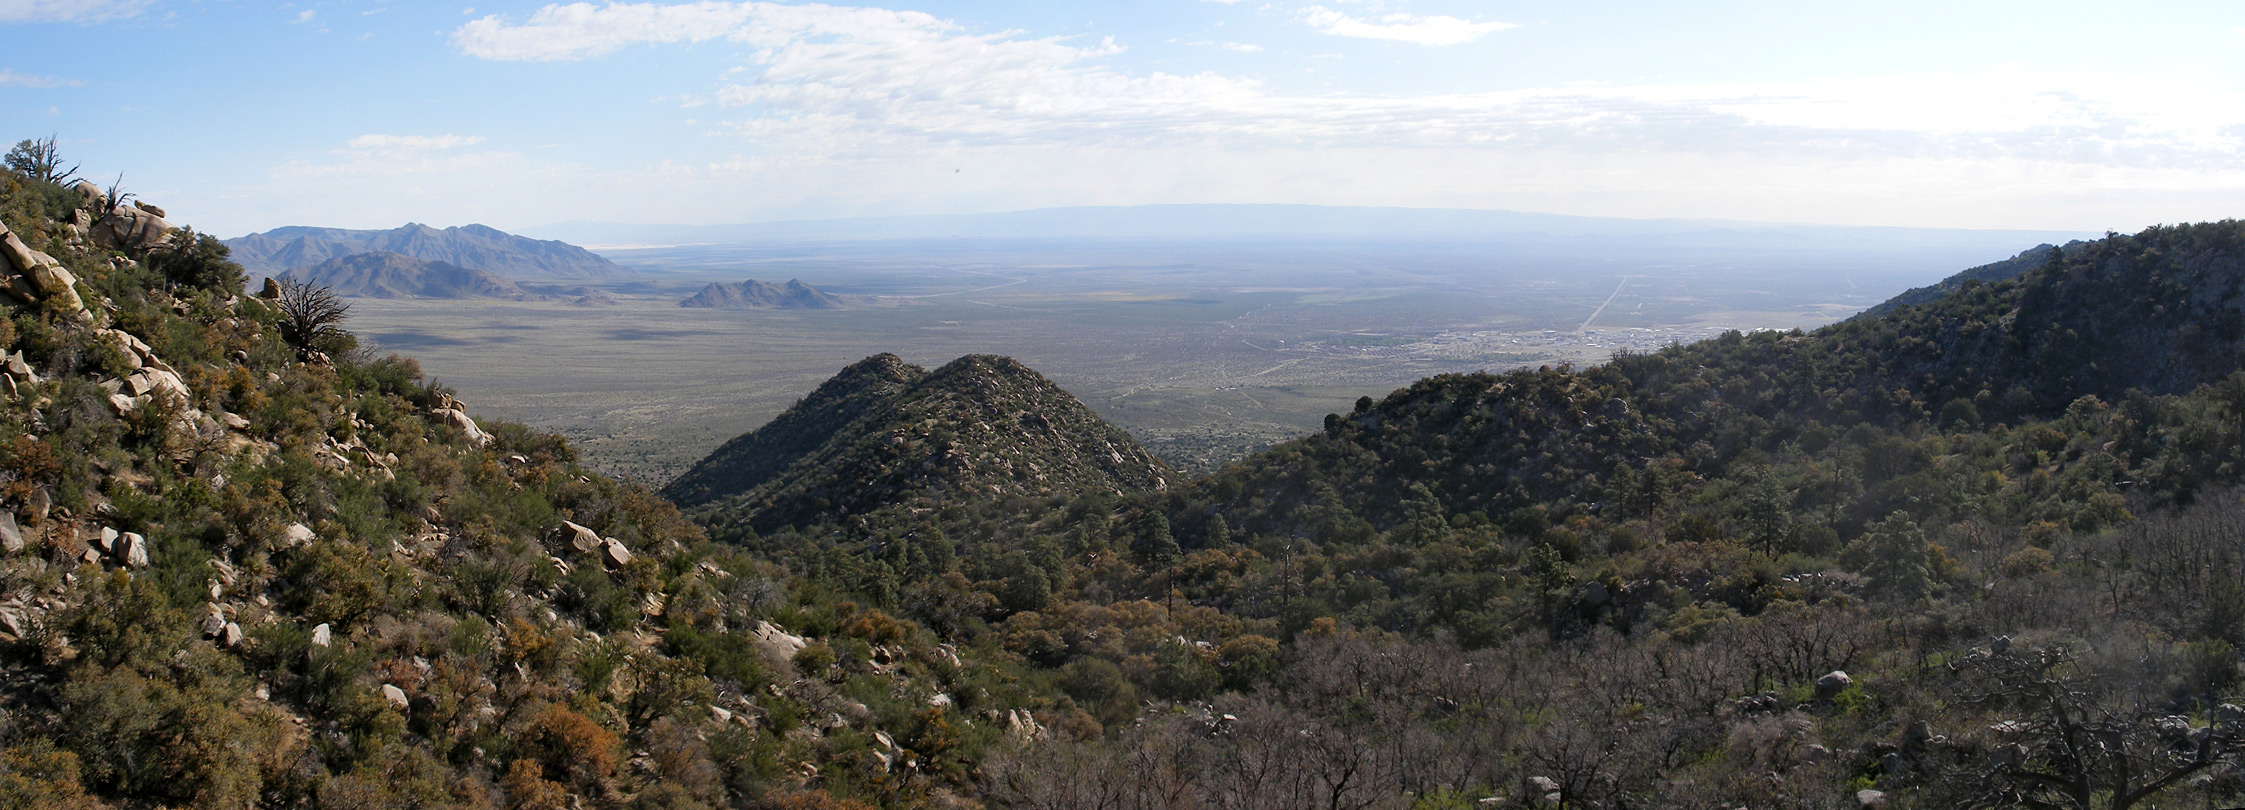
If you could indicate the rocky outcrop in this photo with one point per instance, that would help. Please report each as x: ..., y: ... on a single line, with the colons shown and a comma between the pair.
x: 33, y: 277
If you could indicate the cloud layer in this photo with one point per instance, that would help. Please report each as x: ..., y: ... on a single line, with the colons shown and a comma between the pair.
x: 1429, y: 30
x: 80, y: 11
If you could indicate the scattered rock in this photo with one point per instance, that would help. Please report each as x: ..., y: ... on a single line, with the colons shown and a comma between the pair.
x: 1832, y: 684
x: 132, y: 550
x: 106, y: 540
x: 1022, y: 725
x: 11, y: 538
x: 614, y: 554
x: 230, y: 637
x: 395, y: 696
x: 581, y: 538
x: 721, y: 714
x: 1868, y: 798
x: 296, y: 534
x: 321, y: 635
x: 460, y: 419
x: 1544, y: 789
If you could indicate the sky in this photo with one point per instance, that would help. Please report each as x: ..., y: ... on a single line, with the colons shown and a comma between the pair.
x: 243, y: 116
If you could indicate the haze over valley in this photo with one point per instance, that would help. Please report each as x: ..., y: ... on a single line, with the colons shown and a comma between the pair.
x: 1202, y: 347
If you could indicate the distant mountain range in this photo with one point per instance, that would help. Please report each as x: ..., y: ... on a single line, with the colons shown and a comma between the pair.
x: 475, y: 247
x: 382, y: 274
x: 753, y: 294
x: 1290, y: 222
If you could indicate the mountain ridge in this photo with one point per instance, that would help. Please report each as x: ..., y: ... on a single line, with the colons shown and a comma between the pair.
x: 475, y: 247
x: 754, y: 294
x: 382, y: 274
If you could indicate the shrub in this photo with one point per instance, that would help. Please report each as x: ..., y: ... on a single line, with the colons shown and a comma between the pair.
x: 571, y: 747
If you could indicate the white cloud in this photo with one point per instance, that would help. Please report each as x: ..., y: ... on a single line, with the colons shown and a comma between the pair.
x: 81, y: 11
x: 582, y: 30
x: 1235, y: 47
x: 414, y: 142
x: 1428, y: 30
x: 305, y: 16
x: 10, y: 78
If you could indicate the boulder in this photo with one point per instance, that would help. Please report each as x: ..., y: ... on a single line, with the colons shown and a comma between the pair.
x: 40, y: 503
x: 19, y: 256
x: 395, y: 696
x: 106, y: 540
x: 19, y: 367
x: 614, y: 554
x: 1544, y: 789
x: 272, y: 290
x: 129, y: 228
x: 1832, y: 684
x: 460, y: 419
x: 1868, y: 798
x: 11, y: 538
x: 581, y: 538
x: 214, y: 622
x: 132, y: 550
x: 89, y: 195
x: 231, y: 636
x: 148, y: 208
x: 321, y: 635
x: 297, y: 534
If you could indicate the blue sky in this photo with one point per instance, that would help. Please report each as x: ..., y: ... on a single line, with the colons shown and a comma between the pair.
x: 241, y: 116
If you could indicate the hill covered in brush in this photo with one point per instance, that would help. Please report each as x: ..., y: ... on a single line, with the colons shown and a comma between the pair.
x: 244, y: 563
x: 1902, y: 559
x: 884, y: 436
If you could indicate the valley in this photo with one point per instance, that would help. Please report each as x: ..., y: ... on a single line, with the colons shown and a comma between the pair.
x: 1202, y: 350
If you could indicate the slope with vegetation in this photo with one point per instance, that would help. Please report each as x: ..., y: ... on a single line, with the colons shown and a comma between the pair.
x: 1983, y: 550
x: 1924, y: 556
x: 245, y: 564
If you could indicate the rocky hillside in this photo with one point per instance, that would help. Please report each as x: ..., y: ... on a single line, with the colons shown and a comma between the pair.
x: 885, y: 435
x: 382, y: 274
x: 475, y: 247
x: 245, y: 564
x: 753, y: 294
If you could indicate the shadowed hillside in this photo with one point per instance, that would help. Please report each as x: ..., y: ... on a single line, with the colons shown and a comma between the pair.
x: 382, y: 274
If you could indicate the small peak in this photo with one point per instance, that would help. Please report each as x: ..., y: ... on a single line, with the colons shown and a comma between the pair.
x: 883, y: 365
